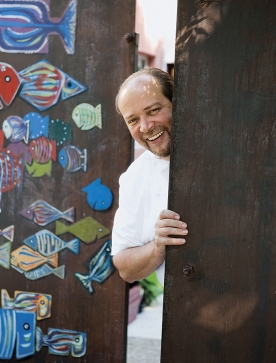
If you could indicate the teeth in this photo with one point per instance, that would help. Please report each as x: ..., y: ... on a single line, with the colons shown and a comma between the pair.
x: 155, y: 136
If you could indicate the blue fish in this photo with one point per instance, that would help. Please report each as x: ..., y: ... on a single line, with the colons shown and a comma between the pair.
x: 25, y: 333
x: 25, y: 26
x: 16, y: 129
x: 100, y: 268
x: 42, y: 271
x: 99, y: 196
x: 47, y: 243
x: 7, y: 333
x: 61, y: 342
x: 38, y: 125
x: 73, y: 159
x: 44, y: 83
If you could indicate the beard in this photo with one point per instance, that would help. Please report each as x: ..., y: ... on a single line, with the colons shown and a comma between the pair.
x: 161, y: 152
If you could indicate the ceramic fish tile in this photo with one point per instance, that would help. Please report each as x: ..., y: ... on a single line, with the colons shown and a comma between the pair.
x: 7, y: 333
x: 100, y: 268
x: 42, y: 213
x: 62, y: 342
x: 37, y: 170
x: 99, y: 196
x: 46, y: 243
x: 27, y: 259
x: 25, y: 26
x: 25, y: 334
x: 87, y: 229
x: 8, y: 233
x: 5, y: 255
x: 42, y: 150
x: 44, y: 270
x: 16, y: 129
x: 10, y: 83
x: 28, y: 301
x: 38, y: 125
x: 2, y: 137
x: 43, y: 84
x: 60, y: 131
x: 11, y: 170
x: 21, y: 151
x: 73, y: 159
x: 86, y: 116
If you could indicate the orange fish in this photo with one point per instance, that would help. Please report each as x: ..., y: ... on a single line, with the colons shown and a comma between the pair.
x: 27, y: 259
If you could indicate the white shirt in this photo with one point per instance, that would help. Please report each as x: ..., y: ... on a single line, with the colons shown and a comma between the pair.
x: 143, y: 194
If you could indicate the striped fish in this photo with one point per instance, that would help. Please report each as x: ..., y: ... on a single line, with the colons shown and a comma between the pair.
x: 5, y: 254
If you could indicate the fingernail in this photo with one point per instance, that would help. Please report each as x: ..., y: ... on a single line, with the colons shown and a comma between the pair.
x: 184, y: 225
x: 177, y: 216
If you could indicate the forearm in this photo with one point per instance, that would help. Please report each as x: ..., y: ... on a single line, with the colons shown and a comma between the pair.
x: 137, y: 263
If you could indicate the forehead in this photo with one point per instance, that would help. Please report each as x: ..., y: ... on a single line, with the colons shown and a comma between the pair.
x: 144, y: 90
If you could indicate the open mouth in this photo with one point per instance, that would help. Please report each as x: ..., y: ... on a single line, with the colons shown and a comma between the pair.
x: 155, y: 136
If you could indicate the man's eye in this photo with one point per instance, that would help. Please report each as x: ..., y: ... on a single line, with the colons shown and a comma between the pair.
x: 132, y: 121
x: 154, y: 111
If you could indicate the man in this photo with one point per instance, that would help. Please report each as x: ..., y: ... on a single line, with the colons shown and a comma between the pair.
x: 142, y: 226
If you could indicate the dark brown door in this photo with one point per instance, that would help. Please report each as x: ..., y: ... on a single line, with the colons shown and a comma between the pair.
x: 87, y: 42
x: 220, y: 294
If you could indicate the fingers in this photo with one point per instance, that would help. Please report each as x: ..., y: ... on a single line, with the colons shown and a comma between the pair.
x: 169, y: 230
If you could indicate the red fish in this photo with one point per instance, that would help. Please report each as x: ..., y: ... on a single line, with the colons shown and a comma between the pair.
x: 42, y: 150
x: 9, y: 83
x: 11, y: 170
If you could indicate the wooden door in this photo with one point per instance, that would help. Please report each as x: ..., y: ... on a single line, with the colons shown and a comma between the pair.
x: 69, y: 58
x: 220, y: 292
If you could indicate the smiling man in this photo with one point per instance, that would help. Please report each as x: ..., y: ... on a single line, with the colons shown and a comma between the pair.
x: 142, y: 224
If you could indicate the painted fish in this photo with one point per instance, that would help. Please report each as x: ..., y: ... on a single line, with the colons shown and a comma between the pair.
x: 16, y: 129
x: 72, y: 159
x: 38, y: 170
x: 21, y: 152
x: 46, y: 243
x: 7, y: 333
x: 28, y: 301
x: 11, y: 170
x: 60, y: 131
x: 44, y: 270
x: 87, y: 229
x: 42, y: 213
x: 2, y: 138
x: 8, y: 233
x: 100, y: 268
x: 9, y: 83
x: 5, y: 255
x: 43, y: 83
x: 25, y: 26
x: 25, y: 333
x: 27, y: 259
x: 42, y: 150
x: 86, y: 116
x: 61, y: 342
x: 99, y: 196
x: 38, y: 125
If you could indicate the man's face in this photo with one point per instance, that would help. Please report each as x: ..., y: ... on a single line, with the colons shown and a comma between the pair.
x: 147, y: 113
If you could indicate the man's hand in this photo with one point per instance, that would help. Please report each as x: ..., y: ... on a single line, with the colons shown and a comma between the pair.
x: 169, y: 230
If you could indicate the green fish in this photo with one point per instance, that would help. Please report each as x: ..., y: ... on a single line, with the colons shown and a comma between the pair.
x: 5, y: 253
x: 37, y: 170
x: 86, y: 116
x: 87, y: 229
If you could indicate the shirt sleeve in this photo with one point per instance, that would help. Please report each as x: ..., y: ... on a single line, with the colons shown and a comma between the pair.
x: 125, y: 233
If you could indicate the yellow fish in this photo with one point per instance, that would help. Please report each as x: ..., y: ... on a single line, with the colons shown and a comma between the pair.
x: 86, y: 116
x: 27, y: 259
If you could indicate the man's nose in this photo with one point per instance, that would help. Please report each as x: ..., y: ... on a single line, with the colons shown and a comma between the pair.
x: 145, y: 124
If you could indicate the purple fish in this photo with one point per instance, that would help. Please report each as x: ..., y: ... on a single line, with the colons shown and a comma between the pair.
x: 43, y: 213
x: 21, y: 151
x: 25, y: 26
x: 16, y: 129
x: 8, y: 233
x: 72, y: 159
